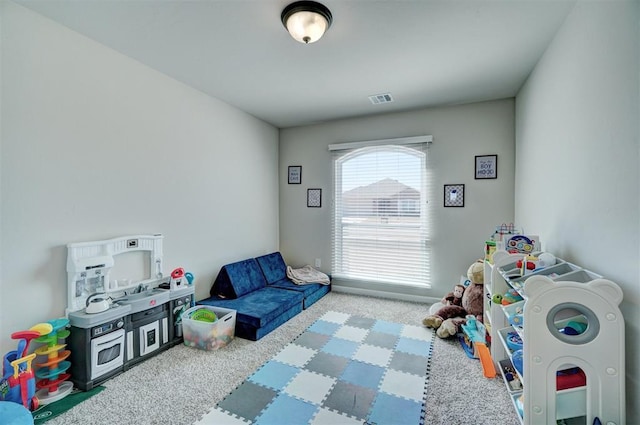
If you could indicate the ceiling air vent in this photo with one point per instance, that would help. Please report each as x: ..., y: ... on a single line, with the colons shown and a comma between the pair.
x: 377, y: 99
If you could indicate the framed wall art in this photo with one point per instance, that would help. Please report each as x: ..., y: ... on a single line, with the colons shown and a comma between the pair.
x: 454, y: 195
x: 314, y: 198
x: 486, y: 166
x: 295, y: 174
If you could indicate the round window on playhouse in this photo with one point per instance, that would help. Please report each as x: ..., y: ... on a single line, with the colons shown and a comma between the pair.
x: 573, y: 323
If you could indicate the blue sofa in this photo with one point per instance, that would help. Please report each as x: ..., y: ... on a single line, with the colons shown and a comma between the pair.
x: 275, y: 272
x: 262, y: 295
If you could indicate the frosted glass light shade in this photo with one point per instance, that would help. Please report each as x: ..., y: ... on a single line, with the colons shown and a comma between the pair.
x: 306, y: 21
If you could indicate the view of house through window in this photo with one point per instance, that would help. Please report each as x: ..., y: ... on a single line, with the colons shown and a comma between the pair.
x: 380, y: 224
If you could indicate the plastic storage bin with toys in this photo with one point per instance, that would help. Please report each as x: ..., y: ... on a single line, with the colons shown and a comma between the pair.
x: 208, y: 328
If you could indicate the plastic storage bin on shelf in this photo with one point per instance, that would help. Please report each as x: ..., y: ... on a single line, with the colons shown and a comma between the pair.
x: 207, y: 334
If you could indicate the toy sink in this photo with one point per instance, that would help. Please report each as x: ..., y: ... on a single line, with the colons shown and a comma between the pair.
x: 145, y: 299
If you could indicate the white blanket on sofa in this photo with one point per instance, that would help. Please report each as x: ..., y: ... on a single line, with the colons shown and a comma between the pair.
x: 307, y: 275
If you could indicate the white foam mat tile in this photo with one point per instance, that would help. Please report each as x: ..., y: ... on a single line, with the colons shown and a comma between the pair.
x: 403, y: 385
x: 295, y: 355
x: 310, y: 387
x: 351, y: 333
x: 335, y: 317
x: 373, y: 355
x: 417, y: 332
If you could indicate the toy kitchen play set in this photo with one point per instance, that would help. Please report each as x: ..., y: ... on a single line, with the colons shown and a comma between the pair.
x: 118, y: 323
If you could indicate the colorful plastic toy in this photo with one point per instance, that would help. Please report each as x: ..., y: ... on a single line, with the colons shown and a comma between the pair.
x: 180, y: 279
x: 52, y: 377
x: 509, y: 297
x: 18, y: 379
x: 476, y: 343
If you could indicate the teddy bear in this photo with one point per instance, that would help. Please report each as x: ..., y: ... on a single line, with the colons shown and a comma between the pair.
x: 447, y: 319
x: 455, y: 297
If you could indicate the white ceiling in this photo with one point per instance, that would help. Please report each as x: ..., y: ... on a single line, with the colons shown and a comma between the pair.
x: 424, y: 52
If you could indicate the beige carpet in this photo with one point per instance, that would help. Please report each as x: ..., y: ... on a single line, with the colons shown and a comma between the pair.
x: 181, y: 384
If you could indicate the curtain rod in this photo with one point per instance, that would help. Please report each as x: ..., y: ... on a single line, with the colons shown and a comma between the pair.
x: 398, y: 141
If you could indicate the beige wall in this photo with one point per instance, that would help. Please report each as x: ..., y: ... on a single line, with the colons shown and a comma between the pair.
x: 459, y: 133
x: 94, y: 146
x: 577, y: 155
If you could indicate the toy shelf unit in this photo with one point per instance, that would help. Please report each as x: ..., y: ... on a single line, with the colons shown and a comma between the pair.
x: 561, y: 349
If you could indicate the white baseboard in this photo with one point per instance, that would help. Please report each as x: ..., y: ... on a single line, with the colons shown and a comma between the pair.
x: 384, y: 294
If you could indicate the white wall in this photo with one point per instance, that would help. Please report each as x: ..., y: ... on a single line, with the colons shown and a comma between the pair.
x: 459, y: 133
x: 95, y: 145
x: 577, y: 155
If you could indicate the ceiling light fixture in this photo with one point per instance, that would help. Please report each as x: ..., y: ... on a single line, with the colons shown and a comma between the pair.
x: 306, y: 21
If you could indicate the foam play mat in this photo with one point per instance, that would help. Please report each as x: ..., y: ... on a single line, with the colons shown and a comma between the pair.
x: 343, y: 369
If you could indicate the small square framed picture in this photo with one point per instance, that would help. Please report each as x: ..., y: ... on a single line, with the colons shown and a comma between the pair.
x: 486, y: 166
x: 314, y: 198
x: 454, y: 195
x: 295, y: 174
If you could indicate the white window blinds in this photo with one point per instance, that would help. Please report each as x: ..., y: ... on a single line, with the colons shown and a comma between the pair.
x: 380, y: 231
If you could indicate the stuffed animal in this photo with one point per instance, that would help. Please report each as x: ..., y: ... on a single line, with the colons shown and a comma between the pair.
x: 455, y: 297
x: 448, y: 319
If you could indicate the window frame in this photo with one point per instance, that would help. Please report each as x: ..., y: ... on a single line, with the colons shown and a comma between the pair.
x: 344, y: 152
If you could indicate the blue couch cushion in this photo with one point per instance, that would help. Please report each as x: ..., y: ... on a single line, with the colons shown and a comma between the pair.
x: 237, y: 279
x: 246, y: 331
x: 273, y: 267
x: 306, y: 290
x: 259, y: 307
x: 312, y: 291
x: 311, y: 299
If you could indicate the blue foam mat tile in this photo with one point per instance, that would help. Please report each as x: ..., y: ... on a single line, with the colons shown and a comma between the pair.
x: 327, y: 364
x: 380, y: 339
x: 360, y: 322
x: 287, y: 410
x: 363, y: 374
x: 312, y: 340
x: 390, y: 410
x: 350, y: 399
x: 387, y: 327
x: 248, y: 400
x: 274, y: 375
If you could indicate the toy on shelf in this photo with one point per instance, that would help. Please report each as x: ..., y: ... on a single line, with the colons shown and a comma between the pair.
x: 510, y: 375
x: 52, y: 377
x: 515, y: 314
x: 18, y: 380
x: 489, y: 249
x: 514, y: 341
x: 509, y: 297
x: 475, y: 344
x: 521, y: 244
x: 528, y: 264
x: 180, y: 279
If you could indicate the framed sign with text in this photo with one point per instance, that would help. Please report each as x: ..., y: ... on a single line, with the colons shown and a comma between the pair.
x: 486, y: 166
x: 295, y: 174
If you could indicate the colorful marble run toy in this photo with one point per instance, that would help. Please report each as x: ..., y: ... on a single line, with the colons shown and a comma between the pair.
x: 51, y: 373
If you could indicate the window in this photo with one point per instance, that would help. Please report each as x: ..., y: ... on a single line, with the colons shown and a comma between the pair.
x: 380, y: 221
